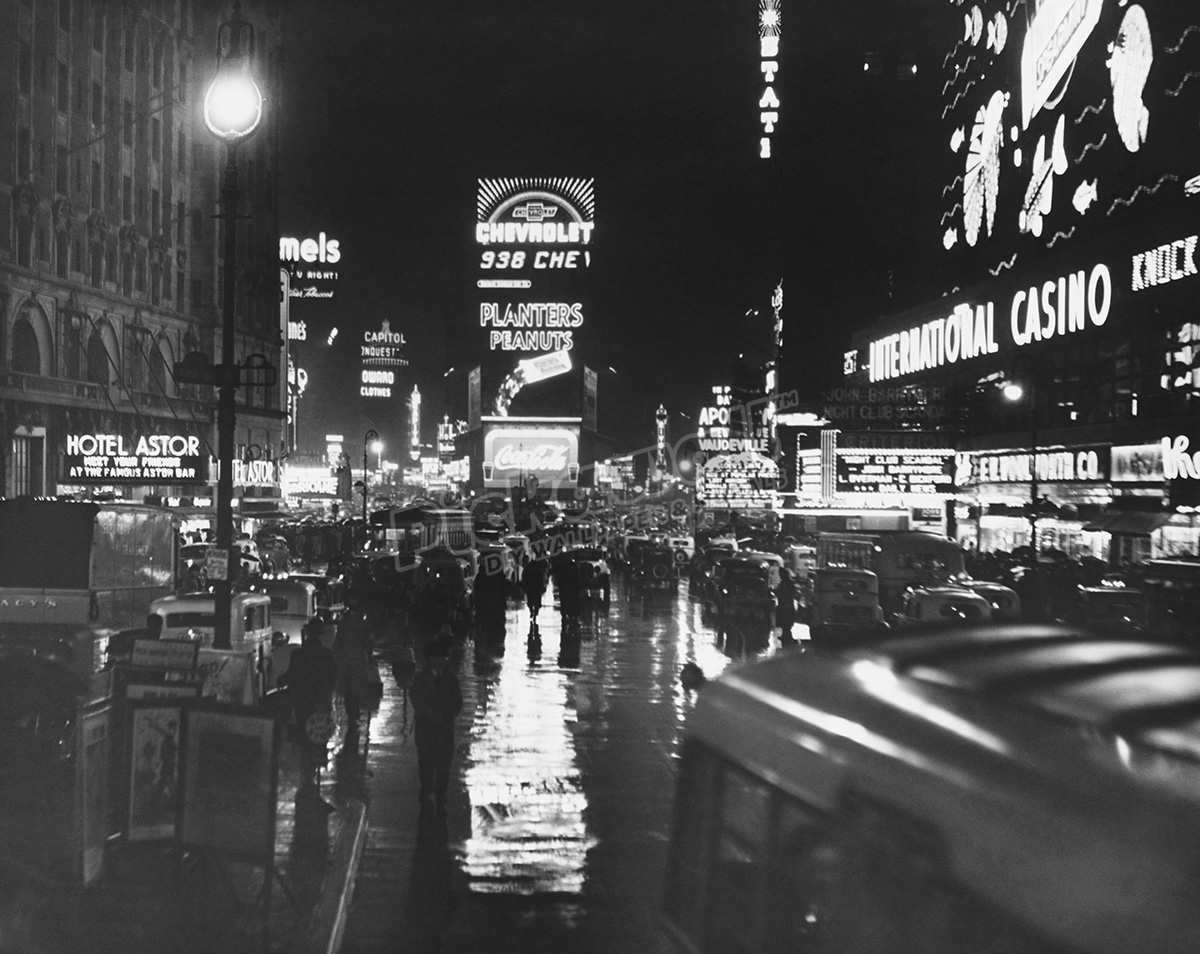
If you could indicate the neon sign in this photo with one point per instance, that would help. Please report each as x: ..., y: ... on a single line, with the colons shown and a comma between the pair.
x: 309, y: 250
x: 381, y: 350
x: 769, y: 28
x: 1065, y: 305
x: 154, y: 458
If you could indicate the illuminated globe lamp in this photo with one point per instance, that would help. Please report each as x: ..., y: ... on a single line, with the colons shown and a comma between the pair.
x: 233, y: 105
x: 233, y: 110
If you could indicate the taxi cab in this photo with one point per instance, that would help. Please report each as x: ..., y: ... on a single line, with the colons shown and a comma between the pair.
x: 938, y: 604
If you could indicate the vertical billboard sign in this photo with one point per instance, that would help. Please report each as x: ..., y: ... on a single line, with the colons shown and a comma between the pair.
x: 474, y: 398
x: 533, y: 236
x: 769, y: 28
x: 589, y: 399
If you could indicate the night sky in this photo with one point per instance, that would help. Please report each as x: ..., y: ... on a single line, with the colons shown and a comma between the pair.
x: 391, y: 112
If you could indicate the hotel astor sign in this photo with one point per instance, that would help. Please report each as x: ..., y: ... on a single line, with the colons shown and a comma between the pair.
x: 146, y: 459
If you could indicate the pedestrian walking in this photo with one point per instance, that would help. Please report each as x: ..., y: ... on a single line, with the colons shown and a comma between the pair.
x: 785, y: 612
x: 570, y: 601
x: 533, y: 582
x: 354, y: 649
x: 437, y: 700
x: 310, y: 679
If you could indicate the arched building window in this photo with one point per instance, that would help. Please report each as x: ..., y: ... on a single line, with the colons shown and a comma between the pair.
x: 31, y: 345
x: 27, y: 356
x: 99, y: 365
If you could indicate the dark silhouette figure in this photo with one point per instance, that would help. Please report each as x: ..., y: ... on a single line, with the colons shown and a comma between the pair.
x: 310, y: 680
x: 567, y: 584
x: 437, y: 700
x: 785, y: 612
x: 533, y: 582
x: 353, y: 647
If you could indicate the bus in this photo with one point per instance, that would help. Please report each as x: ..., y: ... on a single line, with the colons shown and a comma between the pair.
x: 1020, y: 788
x: 416, y: 529
x: 900, y: 559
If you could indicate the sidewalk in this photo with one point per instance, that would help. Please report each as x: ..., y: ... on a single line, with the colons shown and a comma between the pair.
x: 147, y: 901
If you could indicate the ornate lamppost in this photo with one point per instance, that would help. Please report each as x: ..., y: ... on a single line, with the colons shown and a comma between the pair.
x: 233, y: 110
x: 369, y: 438
x: 1023, y: 386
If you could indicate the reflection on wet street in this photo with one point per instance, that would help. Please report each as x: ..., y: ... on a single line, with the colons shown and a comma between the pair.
x: 559, y: 808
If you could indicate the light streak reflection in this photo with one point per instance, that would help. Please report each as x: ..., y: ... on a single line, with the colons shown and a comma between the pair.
x: 528, y: 833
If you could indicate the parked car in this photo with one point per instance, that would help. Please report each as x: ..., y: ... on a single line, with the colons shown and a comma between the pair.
x: 940, y: 604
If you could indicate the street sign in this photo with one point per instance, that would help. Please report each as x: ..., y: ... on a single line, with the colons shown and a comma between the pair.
x: 257, y: 372
x: 216, y: 563
x: 195, y: 368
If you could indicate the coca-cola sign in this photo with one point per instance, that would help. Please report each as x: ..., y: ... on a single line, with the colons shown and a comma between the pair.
x: 540, y: 457
x: 549, y: 454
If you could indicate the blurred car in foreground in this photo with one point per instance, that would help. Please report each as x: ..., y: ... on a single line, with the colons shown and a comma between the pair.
x: 992, y: 786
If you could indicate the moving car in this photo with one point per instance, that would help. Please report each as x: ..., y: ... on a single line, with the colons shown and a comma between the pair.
x: 939, y: 604
x: 1008, y: 787
x: 656, y: 568
x: 746, y: 584
x: 843, y: 602
x: 1118, y: 607
x: 331, y: 594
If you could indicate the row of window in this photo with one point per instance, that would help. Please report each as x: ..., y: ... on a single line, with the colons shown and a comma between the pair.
x: 136, y: 52
x: 145, y: 366
x: 97, y: 261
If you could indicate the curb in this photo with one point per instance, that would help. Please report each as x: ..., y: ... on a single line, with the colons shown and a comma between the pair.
x: 327, y: 925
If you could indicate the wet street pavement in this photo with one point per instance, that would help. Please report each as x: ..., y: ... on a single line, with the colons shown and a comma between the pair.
x: 559, y: 808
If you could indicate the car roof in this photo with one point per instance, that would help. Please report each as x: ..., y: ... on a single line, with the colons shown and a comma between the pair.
x: 1146, y: 688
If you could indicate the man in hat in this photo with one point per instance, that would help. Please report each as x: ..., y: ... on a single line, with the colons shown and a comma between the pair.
x: 437, y: 700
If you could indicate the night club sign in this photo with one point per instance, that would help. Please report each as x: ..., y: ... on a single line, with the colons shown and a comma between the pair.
x: 529, y: 229
x: 909, y: 471
x: 148, y: 459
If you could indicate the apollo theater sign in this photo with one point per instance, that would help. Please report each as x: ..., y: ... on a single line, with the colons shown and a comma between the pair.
x: 512, y: 455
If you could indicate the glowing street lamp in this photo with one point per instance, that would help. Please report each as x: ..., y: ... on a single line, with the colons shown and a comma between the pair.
x: 233, y: 110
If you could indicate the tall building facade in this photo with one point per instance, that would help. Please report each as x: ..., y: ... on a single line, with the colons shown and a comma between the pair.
x: 111, y: 263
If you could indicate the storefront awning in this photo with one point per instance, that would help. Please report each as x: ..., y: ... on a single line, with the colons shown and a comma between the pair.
x: 1130, y: 522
